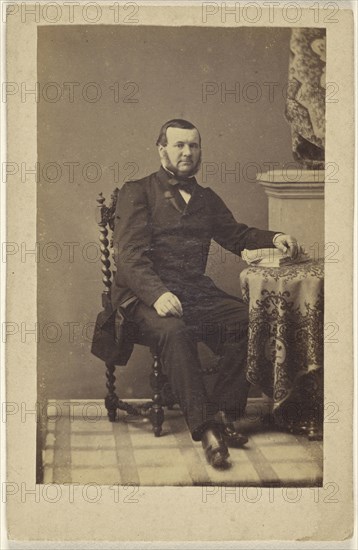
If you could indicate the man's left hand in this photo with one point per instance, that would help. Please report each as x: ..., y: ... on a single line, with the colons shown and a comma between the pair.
x: 287, y: 244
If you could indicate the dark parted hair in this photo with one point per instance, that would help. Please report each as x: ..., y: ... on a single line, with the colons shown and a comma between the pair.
x: 174, y: 123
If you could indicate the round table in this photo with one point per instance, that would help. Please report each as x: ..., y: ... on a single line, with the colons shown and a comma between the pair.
x: 285, y: 340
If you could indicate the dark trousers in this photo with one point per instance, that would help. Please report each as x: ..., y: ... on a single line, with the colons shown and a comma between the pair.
x: 221, y: 322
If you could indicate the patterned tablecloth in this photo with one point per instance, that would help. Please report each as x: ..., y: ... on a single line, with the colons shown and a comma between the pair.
x: 286, y: 326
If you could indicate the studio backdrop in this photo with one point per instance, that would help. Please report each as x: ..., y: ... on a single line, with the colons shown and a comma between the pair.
x: 104, y: 93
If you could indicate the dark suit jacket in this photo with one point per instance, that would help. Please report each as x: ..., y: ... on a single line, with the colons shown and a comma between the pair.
x: 159, y: 248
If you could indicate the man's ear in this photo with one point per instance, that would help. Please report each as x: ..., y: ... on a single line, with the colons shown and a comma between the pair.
x: 161, y: 151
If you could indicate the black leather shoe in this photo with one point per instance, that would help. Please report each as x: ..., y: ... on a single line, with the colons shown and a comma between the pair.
x: 232, y: 437
x: 215, y: 449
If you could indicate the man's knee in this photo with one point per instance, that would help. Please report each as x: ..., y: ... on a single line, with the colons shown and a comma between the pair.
x: 236, y: 328
x: 243, y: 313
x: 235, y: 333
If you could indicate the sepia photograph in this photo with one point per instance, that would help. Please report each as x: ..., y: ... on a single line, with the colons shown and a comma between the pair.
x: 181, y: 198
x: 179, y: 272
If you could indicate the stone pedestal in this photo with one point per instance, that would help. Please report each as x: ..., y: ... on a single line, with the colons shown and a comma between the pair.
x: 296, y: 206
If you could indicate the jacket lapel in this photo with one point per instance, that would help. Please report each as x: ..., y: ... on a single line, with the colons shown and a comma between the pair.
x: 167, y: 189
x: 196, y: 201
x: 170, y: 196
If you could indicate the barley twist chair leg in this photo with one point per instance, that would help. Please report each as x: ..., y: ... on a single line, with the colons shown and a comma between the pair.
x: 156, y: 414
x: 111, y: 400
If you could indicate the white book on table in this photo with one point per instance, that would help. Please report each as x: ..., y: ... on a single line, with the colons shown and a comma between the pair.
x: 272, y: 257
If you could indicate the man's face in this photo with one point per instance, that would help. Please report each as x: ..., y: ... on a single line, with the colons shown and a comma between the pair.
x: 182, y: 153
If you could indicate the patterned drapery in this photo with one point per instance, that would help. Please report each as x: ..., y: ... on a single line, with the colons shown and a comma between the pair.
x: 305, y: 104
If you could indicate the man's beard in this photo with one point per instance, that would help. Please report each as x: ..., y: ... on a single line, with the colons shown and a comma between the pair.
x: 169, y: 166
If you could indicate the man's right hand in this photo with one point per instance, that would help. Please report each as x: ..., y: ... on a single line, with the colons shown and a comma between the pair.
x: 168, y: 304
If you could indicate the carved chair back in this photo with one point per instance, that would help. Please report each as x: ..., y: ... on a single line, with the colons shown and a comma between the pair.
x: 105, y: 221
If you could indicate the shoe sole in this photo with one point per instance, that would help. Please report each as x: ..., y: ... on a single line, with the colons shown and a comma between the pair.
x: 236, y: 442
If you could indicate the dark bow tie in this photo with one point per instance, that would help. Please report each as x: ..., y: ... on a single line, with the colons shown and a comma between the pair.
x: 185, y: 184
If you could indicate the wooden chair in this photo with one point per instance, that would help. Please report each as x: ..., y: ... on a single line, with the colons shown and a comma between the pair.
x: 162, y: 395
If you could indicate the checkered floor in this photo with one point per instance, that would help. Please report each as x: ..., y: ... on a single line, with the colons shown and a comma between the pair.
x: 83, y: 446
